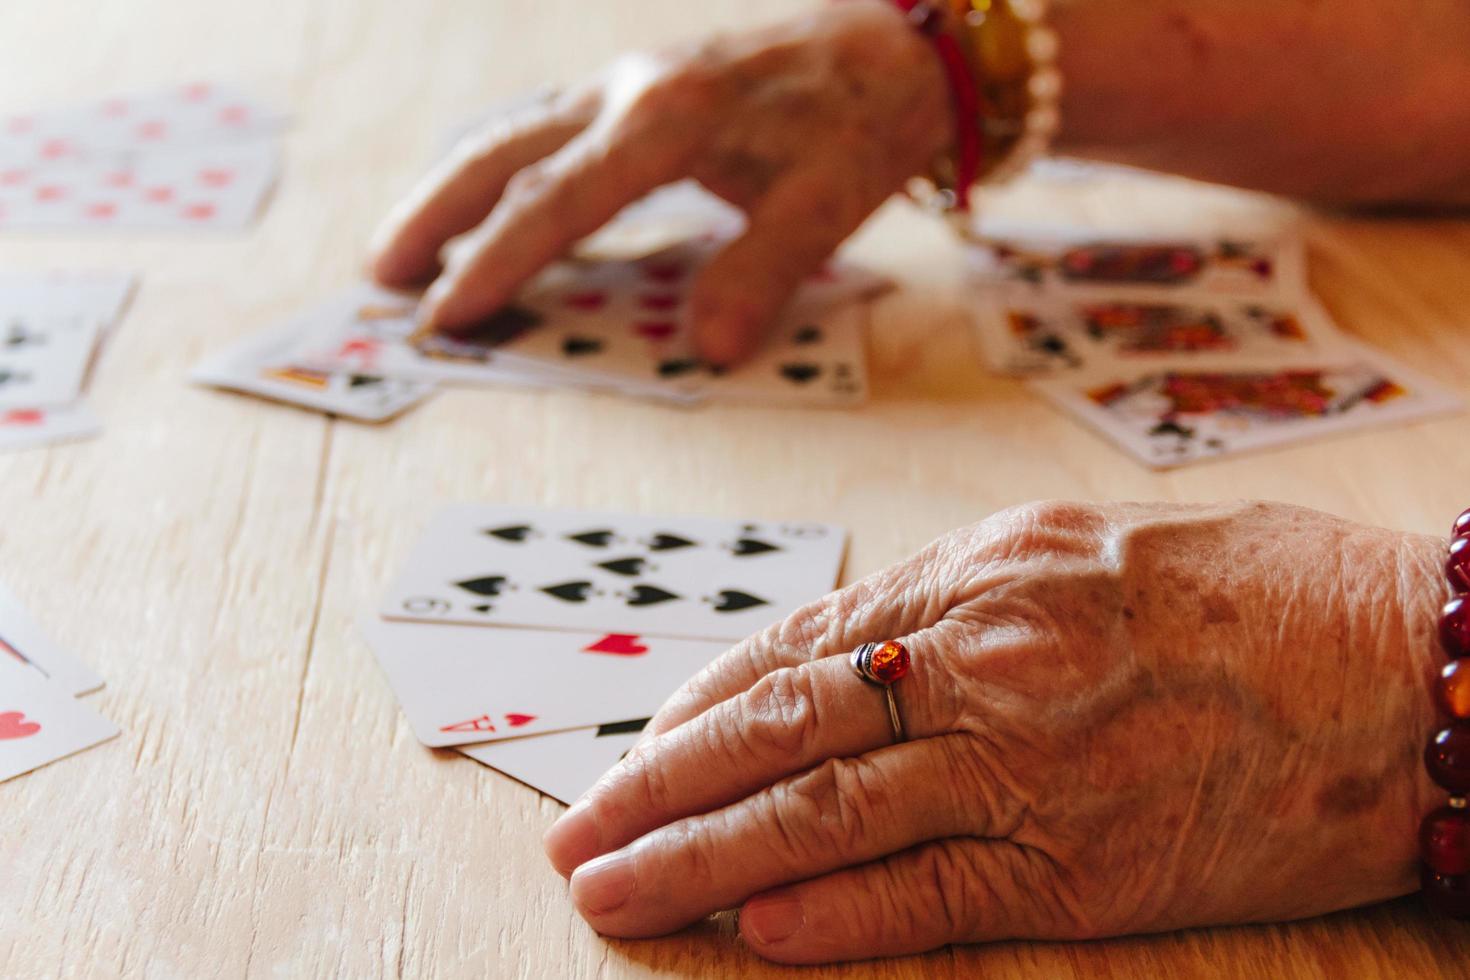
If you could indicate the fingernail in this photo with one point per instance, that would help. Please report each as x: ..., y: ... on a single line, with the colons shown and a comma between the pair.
x: 604, y: 884
x: 772, y: 918
x: 573, y: 840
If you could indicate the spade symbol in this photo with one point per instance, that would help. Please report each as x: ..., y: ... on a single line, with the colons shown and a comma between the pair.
x: 800, y: 373
x: 732, y: 601
x: 490, y: 585
x: 363, y: 381
x: 18, y: 337
x: 570, y: 591
x: 513, y: 532
x: 807, y: 335
x: 649, y: 595
x: 505, y: 324
x: 580, y: 346
x: 668, y: 542
x: 625, y: 566
x: 751, y: 546
x: 485, y: 609
x: 676, y: 367
x: 592, y: 539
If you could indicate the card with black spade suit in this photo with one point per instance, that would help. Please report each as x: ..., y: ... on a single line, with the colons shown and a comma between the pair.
x: 695, y: 577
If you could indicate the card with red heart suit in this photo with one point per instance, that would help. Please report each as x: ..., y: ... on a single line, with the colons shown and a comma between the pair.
x: 459, y: 685
x: 649, y: 575
x: 30, y: 428
x: 41, y: 722
x: 563, y: 765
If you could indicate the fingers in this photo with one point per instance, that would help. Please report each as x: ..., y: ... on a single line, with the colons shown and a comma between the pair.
x: 894, y: 602
x: 457, y: 194
x: 788, y: 722
x: 546, y: 208
x: 951, y: 891
x: 846, y: 811
x: 794, y: 228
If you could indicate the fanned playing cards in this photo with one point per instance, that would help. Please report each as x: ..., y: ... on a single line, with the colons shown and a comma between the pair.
x: 540, y: 641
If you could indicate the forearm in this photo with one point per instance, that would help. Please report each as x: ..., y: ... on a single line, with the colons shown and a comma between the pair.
x: 1355, y: 101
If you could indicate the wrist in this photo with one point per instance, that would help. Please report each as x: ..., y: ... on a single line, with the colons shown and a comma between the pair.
x: 1423, y: 592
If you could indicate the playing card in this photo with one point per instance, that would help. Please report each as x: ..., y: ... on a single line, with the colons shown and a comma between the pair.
x: 207, y: 187
x: 257, y: 365
x: 44, y: 358
x: 460, y: 685
x: 1172, y: 416
x: 22, y: 640
x: 814, y: 359
x: 27, y: 428
x: 184, y: 115
x: 563, y: 765
x: 366, y: 329
x: 626, y: 322
x: 99, y: 295
x: 41, y: 722
x: 1025, y: 331
x: 697, y: 577
x: 1244, y: 267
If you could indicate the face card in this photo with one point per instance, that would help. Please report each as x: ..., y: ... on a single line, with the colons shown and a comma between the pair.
x: 28, y: 428
x: 460, y: 685
x: 1173, y: 416
x: 694, y: 577
x: 41, y: 722
x: 215, y: 188
x: 1245, y: 267
x: 1024, y: 332
x: 44, y: 358
x: 257, y: 366
x: 563, y: 765
x: 184, y: 115
x: 23, y: 641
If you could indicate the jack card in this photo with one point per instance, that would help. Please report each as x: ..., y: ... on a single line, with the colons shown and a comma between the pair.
x: 1171, y: 416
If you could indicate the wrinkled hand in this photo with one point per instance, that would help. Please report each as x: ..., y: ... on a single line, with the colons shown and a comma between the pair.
x: 808, y: 127
x: 1121, y: 718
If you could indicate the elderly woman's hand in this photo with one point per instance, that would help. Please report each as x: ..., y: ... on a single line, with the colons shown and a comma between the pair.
x: 808, y: 127
x: 1122, y: 718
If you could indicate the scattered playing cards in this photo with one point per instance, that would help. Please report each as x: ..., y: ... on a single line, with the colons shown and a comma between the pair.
x: 191, y: 157
x: 51, y: 328
x: 1183, y: 351
x: 614, y: 324
x: 530, y: 638
x: 41, y: 719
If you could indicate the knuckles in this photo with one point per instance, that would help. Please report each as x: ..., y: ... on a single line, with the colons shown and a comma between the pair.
x: 830, y: 811
x: 778, y: 719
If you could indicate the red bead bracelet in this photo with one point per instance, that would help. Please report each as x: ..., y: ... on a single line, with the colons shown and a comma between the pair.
x: 1444, y: 836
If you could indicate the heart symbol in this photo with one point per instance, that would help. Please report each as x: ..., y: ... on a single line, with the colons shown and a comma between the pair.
x: 152, y: 129
x: 159, y: 195
x: 622, y: 644
x: 516, y: 721
x: 216, y: 176
x: 655, y: 329
x: 12, y: 177
x: 120, y: 178
x: 51, y: 149
x: 233, y: 115
x: 50, y: 192
x: 102, y: 211
x: 199, y: 212
x: 14, y: 725
x: 587, y: 301
x: 23, y: 416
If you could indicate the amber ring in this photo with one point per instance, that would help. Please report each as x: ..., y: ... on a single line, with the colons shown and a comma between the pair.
x: 882, y: 664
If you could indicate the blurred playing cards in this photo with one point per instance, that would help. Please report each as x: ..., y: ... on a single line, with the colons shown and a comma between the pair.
x: 52, y: 326
x: 190, y: 157
x: 1184, y: 350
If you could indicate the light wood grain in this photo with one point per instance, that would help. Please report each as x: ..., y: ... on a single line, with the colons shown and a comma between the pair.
x: 266, y: 812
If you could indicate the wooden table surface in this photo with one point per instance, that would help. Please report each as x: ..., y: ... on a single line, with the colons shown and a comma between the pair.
x: 266, y: 811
